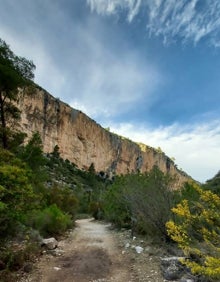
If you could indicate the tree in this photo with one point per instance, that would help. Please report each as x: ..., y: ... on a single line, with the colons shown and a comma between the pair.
x: 15, y: 72
x: 213, y: 184
x: 91, y: 169
x: 56, y: 152
x: 197, y: 232
x: 16, y: 194
x: 151, y: 199
x: 116, y: 207
x: 141, y: 199
x: 32, y: 153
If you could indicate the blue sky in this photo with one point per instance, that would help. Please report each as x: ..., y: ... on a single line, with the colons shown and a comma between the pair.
x: 148, y: 69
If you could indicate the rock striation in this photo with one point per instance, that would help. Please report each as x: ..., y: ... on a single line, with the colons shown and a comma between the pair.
x: 82, y: 141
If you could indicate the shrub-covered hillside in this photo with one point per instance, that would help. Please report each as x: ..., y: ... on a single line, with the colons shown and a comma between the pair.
x: 213, y: 184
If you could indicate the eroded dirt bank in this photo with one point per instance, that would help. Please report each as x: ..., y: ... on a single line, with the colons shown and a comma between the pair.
x: 94, y: 253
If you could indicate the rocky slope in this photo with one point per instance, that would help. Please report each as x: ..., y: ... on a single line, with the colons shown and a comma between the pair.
x: 83, y: 141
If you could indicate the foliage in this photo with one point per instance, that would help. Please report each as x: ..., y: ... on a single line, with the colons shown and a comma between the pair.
x: 96, y: 209
x: 116, y: 207
x: 197, y: 232
x: 64, y: 198
x: 15, y: 72
x: 56, y: 152
x: 23, y: 192
x: 87, y: 186
x: 91, y: 169
x: 213, y: 184
x: 141, y: 200
x: 51, y: 221
x: 32, y: 154
x: 14, y: 258
x: 16, y: 194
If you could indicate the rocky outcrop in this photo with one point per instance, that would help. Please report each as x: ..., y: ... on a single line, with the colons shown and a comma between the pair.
x: 82, y: 141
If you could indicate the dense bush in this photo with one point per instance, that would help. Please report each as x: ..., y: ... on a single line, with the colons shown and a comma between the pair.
x: 50, y: 221
x: 16, y: 194
x: 213, y: 184
x: 116, y: 207
x: 64, y: 198
x: 141, y: 201
x: 15, y: 256
x: 96, y: 210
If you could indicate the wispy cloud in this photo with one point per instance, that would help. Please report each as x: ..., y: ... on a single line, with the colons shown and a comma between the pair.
x: 89, y: 70
x: 107, y: 79
x: 190, y: 21
x: 104, y: 7
x: 90, y: 65
x: 194, y: 147
x: 109, y: 86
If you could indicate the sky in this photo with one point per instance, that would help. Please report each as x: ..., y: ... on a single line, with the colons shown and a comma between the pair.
x: 147, y: 69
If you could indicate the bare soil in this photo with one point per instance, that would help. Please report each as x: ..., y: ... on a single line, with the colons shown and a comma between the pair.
x: 93, y: 252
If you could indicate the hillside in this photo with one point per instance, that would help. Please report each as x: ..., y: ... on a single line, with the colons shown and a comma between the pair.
x: 213, y: 184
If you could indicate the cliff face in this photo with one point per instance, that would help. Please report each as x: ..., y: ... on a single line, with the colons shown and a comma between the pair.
x: 83, y: 141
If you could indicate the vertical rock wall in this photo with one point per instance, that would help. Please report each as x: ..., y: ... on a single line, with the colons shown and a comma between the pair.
x: 83, y: 141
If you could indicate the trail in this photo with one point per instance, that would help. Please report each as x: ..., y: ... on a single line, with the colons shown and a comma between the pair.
x: 90, y: 254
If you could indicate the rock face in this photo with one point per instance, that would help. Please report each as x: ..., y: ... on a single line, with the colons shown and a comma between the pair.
x: 82, y: 141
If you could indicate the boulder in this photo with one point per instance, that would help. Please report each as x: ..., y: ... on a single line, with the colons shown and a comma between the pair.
x: 50, y: 243
x: 172, y: 268
x: 139, y: 249
x: 28, y: 267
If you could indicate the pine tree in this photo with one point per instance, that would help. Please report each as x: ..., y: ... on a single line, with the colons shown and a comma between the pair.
x: 15, y: 73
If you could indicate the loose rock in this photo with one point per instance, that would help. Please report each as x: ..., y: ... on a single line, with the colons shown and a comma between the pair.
x: 50, y: 243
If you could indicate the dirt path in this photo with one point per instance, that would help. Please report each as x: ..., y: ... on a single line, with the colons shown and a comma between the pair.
x: 94, y: 253
x: 89, y: 254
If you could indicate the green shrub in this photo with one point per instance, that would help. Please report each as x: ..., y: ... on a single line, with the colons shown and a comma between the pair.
x: 96, y: 209
x: 141, y: 201
x: 16, y: 194
x: 116, y: 207
x: 15, y: 256
x: 64, y: 198
x: 51, y: 221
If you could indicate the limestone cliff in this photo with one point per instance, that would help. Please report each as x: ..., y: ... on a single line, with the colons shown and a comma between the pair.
x: 83, y: 141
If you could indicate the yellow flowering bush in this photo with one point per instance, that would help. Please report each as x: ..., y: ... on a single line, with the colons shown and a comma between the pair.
x: 197, y: 232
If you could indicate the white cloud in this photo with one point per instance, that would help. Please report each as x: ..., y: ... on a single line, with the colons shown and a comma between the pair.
x: 102, y: 79
x: 104, y: 7
x: 134, y: 8
x: 88, y: 72
x: 189, y: 20
x: 196, y: 148
x: 112, y: 85
x: 109, y: 80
